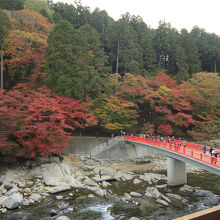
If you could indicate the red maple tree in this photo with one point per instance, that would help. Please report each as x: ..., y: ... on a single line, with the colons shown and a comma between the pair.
x: 36, y: 122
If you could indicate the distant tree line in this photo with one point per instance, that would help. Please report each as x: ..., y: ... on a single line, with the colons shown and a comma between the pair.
x: 130, y: 45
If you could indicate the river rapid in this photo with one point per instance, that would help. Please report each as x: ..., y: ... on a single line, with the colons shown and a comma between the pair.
x: 81, y: 207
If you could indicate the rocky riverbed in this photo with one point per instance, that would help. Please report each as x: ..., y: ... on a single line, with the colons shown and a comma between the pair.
x: 138, y: 184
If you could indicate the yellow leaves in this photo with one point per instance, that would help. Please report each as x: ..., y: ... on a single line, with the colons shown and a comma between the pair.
x: 116, y: 113
x: 164, y: 91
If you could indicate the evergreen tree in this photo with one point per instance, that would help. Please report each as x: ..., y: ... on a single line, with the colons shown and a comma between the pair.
x: 5, y: 24
x: 12, y: 4
x: 125, y: 52
x: 74, y: 60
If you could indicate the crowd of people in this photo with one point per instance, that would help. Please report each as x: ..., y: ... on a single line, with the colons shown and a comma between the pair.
x: 179, y: 142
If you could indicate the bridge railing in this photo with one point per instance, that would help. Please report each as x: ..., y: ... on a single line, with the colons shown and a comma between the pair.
x: 191, y: 150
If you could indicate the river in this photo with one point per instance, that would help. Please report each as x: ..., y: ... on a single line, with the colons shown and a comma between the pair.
x: 80, y: 207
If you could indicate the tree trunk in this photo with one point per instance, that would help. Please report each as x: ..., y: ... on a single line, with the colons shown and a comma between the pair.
x: 2, y: 66
x: 215, y: 67
x: 117, y: 58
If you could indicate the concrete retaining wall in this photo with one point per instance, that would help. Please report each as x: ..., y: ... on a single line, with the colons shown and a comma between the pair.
x: 81, y: 144
x: 122, y: 151
x: 119, y: 150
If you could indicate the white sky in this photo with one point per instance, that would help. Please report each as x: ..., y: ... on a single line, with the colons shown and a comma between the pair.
x: 180, y: 13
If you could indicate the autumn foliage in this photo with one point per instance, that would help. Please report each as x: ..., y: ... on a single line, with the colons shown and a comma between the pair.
x: 26, y: 45
x: 35, y: 122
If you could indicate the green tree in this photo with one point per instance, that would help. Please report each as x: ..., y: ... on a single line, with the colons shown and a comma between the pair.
x: 145, y: 41
x: 74, y: 60
x: 5, y: 24
x: 41, y: 6
x: 12, y: 4
x: 124, y: 50
x: 77, y: 14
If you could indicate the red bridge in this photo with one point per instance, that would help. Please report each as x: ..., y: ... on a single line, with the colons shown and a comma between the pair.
x: 178, y: 155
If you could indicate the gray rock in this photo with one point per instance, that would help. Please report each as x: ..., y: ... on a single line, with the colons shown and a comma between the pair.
x: 54, y: 173
x: 2, y: 199
x: 12, y: 176
x: 13, y: 201
x: 187, y: 188
x: 135, y: 194
x: 3, y: 210
x: 162, y: 202
x: 127, y: 197
x: 56, y: 189
x: 133, y: 218
x: 63, y: 206
x: 137, y: 181
x: 153, y: 192
x: 152, y: 177
x: 90, y: 182
x: 174, y: 196
x: 71, y: 181
x: 2, y: 189
x: 103, y: 178
x: 59, y: 197
x: 127, y: 176
x: 82, y: 158
x: 184, y: 201
x: 91, y: 196
x: 105, y: 184
x: 29, y: 183
x: 12, y: 191
x: 35, y: 197
x: 165, y: 198
x: 98, y: 191
x: 63, y: 217
x: 86, y: 168
x: 142, y: 161
x: 162, y: 187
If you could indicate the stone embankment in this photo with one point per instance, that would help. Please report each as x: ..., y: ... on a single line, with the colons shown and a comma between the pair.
x: 23, y: 186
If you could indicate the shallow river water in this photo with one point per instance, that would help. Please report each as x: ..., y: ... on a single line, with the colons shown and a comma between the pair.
x: 80, y: 207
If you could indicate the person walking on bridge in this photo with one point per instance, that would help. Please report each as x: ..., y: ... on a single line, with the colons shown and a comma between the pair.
x: 204, y: 149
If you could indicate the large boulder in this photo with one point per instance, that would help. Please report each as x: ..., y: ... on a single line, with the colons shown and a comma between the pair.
x: 2, y: 199
x: 71, y: 181
x: 13, y: 201
x: 137, y: 181
x: 153, y: 192
x: 35, y: 197
x: 174, y: 196
x: 162, y: 202
x: 127, y: 197
x: 12, y: 190
x: 63, y: 217
x: 12, y: 176
x: 90, y: 182
x: 57, y: 189
x: 54, y: 172
x: 2, y: 189
x: 152, y: 177
x: 187, y: 188
x: 135, y: 194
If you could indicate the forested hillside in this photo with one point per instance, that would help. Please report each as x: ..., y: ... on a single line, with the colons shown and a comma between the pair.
x: 127, y: 75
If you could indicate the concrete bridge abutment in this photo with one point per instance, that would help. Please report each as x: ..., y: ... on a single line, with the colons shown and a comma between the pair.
x: 176, y: 172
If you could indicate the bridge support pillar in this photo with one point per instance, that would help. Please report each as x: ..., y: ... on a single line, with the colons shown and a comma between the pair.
x: 176, y: 172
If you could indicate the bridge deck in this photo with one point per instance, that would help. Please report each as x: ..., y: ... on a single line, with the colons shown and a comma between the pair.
x: 191, y: 150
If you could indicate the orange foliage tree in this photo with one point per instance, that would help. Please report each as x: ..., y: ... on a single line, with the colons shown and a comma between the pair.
x: 26, y: 45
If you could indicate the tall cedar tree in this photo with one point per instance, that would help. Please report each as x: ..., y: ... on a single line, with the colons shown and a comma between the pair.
x: 74, y: 61
x: 5, y: 24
